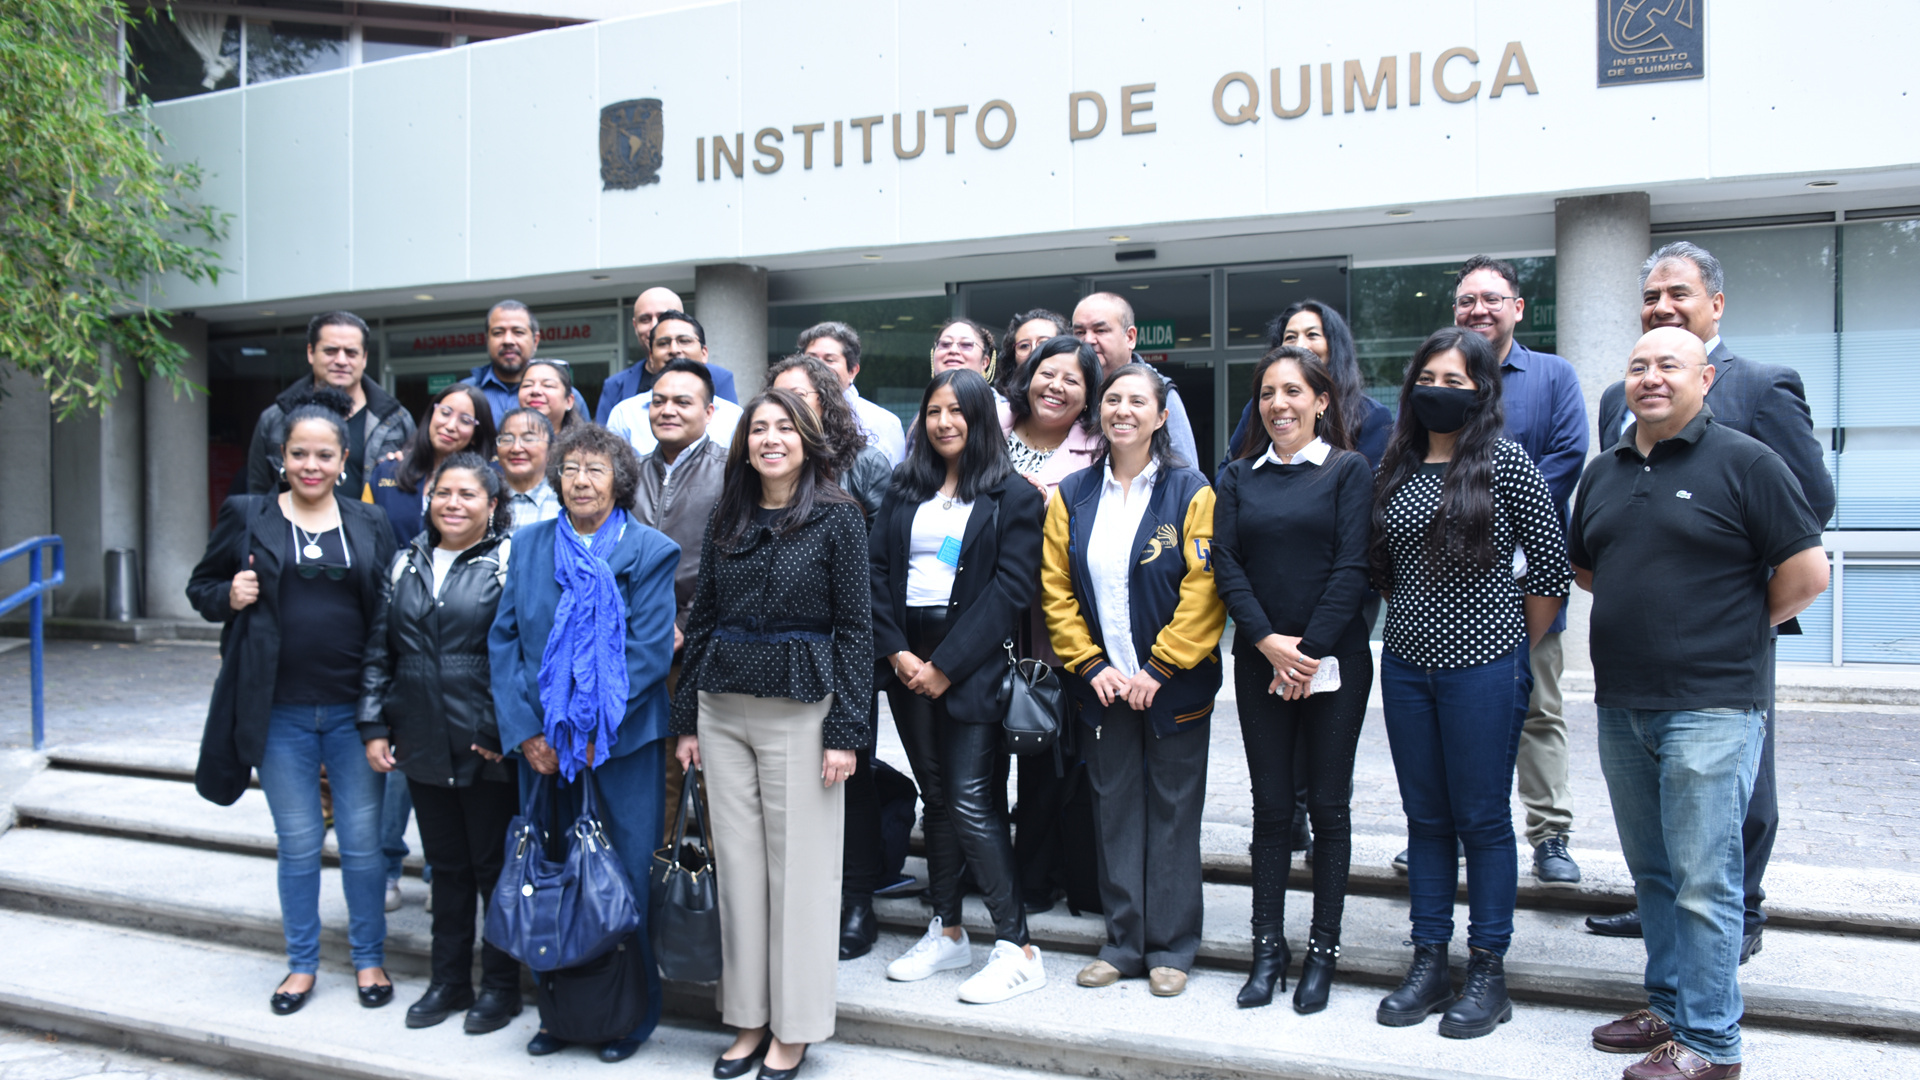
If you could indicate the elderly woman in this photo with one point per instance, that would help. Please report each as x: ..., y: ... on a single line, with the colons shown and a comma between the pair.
x: 591, y: 592
x: 525, y: 435
x: 773, y: 701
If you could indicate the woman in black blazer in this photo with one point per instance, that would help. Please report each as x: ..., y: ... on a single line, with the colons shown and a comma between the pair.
x: 956, y: 553
x: 296, y: 579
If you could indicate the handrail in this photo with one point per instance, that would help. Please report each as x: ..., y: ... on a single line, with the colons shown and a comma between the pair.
x: 34, y: 597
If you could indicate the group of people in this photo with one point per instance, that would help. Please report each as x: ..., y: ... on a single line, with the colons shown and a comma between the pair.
x: 694, y: 584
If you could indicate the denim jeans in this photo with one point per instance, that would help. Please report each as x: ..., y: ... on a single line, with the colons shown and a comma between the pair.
x: 300, y: 739
x: 396, y: 806
x: 1454, y: 733
x: 1680, y: 783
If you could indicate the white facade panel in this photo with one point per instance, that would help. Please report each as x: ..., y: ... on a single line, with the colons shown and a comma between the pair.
x: 209, y: 130
x: 300, y: 160
x: 410, y: 198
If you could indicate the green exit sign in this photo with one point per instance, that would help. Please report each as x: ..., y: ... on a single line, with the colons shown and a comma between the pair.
x: 1155, y: 334
x: 437, y: 383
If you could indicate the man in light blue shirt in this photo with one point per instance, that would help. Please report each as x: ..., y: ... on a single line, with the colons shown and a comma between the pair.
x: 836, y: 345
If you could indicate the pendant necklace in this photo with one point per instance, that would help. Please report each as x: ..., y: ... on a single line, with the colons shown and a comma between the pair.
x: 312, y: 549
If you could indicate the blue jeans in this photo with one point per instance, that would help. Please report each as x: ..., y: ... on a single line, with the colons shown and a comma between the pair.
x: 396, y: 806
x: 300, y: 739
x: 1680, y: 783
x: 1454, y: 733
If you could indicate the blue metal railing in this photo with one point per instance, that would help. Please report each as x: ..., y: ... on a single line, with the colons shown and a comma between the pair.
x: 37, y: 587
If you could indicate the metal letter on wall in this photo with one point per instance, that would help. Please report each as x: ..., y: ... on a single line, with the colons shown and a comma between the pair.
x: 1651, y: 41
x: 631, y: 138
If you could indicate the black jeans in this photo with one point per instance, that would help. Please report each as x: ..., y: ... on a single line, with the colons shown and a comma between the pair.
x: 1328, y: 725
x: 956, y: 763
x: 463, y: 831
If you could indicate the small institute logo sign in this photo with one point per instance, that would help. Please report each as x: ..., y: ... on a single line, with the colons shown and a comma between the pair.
x: 1651, y: 41
x: 631, y: 137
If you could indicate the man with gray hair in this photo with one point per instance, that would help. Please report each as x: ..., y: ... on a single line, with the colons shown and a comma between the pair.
x: 1105, y: 321
x: 1683, y: 285
x: 837, y: 345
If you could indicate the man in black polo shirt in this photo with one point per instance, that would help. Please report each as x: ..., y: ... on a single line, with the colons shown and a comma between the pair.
x: 1675, y: 531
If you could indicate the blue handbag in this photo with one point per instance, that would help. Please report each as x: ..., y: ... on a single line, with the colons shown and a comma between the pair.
x: 550, y: 915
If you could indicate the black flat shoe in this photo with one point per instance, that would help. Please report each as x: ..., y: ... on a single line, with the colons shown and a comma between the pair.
x: 372, y: 997
x: 727, y: 1068
x: 783, y: 1074
x: 543, y: 1044
x: 619, y: 1050
x: 439, y: 1002
x: 286, y: 1003
x: 492, y: 1010
x: 1625, y: 924
x: 858, y: 930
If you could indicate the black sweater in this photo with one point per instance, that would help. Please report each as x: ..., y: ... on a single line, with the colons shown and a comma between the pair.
x: 1290, y: 552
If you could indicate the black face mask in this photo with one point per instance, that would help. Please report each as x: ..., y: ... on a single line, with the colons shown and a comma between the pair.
x: 1443, y: 408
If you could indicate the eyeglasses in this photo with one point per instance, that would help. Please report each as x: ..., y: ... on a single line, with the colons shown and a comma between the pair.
x: 965, y: 345
x: 684, y: 341
x: 445, y: 411
x: 507, y: 440
x: 1493, y: 301
x: 309, y: 571
x: 572, y: 470
x: 1667, y: 368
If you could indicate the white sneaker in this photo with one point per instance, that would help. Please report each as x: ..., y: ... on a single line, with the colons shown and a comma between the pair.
x: 933, y: 952
x: 393, y: 896
x: 1009, y: 973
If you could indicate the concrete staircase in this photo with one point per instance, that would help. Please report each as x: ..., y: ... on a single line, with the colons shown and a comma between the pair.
x: 139, y: 914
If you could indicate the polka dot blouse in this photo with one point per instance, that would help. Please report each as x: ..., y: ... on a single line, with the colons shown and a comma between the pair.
x: 1455, y: 616
x: 785, y: 617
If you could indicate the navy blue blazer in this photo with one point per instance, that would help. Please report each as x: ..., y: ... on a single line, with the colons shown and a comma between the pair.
x: 625, y: 383
x: 1765, y: 401
x: 643, y: 563
x: 403, y: 508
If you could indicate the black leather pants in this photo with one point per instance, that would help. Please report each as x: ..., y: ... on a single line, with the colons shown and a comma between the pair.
x: 956, y: 762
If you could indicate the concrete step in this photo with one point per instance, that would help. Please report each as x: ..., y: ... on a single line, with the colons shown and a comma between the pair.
x: 1815, y: 981
x: 205, y: 1002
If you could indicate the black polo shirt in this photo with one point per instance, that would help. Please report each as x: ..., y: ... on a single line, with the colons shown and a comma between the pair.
x: 1681, y: 543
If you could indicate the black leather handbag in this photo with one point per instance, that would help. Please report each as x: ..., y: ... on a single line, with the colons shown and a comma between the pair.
x: 550, y: 915
x: 1033, y: 705
x: 600, y: 1001
x: 684, y: 914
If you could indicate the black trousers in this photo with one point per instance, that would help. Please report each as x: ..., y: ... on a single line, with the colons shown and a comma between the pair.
x: 1763, y: 815
x: 1327, y: 728
x: 956, y: 763
x: 463, y: 831
x: 1148, y: 794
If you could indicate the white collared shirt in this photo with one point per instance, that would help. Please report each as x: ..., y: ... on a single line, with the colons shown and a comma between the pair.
x: 1314, y: 453
x: 1111, y: 555
x: 882, y: 427
x: 629, y: 421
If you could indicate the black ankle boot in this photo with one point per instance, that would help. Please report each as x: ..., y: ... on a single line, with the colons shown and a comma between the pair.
x: 1426, y: 990
x: 1270, y: 960
x: 1316, y: 973
x: 858, y: 930
x: 1483, y: 1003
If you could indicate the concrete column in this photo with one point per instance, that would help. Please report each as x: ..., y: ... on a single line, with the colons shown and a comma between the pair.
x: 26, y: 483
x: 1599, y: 243
x: 97, y: 480
x: 178, y: 514
x: 730, y: 300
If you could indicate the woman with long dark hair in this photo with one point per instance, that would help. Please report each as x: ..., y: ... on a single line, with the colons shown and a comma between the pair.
x: 456, y: 419
x: 1024, y: 334
x: 1127, y: 583
x: 956, y: 555
x: 296, y: 579
x: 426, y: 714
x: 547, y: 385
x: 772, y: 702
x: 1298, y: 488
x: 861, y: 470
x: 1318, y: 328
x: 1453, y: 503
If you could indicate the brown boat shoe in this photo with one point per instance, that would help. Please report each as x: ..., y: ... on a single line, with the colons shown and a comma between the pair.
x: 1635, y: 1033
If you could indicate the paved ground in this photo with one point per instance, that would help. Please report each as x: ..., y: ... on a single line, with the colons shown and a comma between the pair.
x: 1849, y: 775
x: 33, y: 1055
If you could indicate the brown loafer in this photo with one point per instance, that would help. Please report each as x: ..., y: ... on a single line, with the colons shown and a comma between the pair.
x: 1635, y: 1033
x: 1166, y: 981
x: 1671, y: 1061
x: 1098, y: 974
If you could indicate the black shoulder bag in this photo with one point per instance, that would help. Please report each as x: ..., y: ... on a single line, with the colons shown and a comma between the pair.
x: 684, y: 920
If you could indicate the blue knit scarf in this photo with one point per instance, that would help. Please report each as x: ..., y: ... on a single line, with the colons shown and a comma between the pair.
x: 583, y: 670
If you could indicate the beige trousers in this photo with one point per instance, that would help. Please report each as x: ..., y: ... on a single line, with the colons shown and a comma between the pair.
x: 1540, y: 768
x: 778, y: 838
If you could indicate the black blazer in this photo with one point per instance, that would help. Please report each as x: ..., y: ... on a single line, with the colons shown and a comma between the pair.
x: 1765, y: 401
x: 992, y: 589
x: 236, y: 734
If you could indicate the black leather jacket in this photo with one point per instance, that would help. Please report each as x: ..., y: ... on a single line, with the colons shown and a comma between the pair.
x: 425, y: 682
x: 867, y: 480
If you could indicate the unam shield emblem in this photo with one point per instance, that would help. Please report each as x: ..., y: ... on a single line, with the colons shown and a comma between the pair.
x: 630, y: 141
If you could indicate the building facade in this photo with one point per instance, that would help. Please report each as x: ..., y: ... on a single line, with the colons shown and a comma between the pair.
x: 893, y: 163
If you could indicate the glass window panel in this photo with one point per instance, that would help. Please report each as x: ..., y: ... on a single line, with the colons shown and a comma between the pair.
x: 995, y: 303
x: 1394, y: 308
x: 1878, y: 626
x: 1239, y: 392
x: 281, y: 50
x: 1880, y: 276
x: 1184, y: 300
x: 896, y: 343
x: 1255, y: 297
x: 380, y: 44
x: 1779, y: 281
x: 1814, y: 643
x: 189, y: 53
x: 1873, y: 480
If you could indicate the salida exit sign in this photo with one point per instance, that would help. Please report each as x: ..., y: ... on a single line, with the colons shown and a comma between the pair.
x: 1154, y: 334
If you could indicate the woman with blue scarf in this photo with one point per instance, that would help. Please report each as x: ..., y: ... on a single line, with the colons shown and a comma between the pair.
x: 580, y: 650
